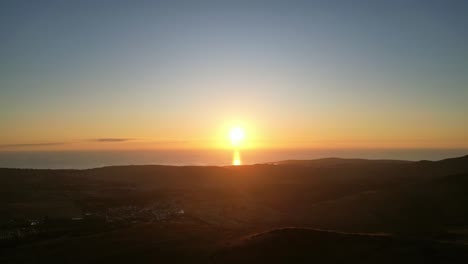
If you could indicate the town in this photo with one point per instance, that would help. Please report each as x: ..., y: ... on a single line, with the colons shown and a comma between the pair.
x: 19, y: 230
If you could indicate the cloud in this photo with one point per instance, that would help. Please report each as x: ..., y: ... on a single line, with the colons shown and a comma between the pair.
x: 23, y: 145
x: 112, y: 139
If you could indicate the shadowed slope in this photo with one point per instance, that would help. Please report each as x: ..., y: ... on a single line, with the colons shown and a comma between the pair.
x: 299, y: 245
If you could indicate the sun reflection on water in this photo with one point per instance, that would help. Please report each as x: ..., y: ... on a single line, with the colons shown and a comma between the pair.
x: 236, y: 158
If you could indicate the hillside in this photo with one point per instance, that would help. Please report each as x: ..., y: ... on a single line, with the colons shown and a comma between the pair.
x: 200, y: 214
x: 299, y: 245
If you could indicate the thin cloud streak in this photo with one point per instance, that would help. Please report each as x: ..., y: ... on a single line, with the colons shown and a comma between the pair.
x: 31, y: 145
x: 104, y: 140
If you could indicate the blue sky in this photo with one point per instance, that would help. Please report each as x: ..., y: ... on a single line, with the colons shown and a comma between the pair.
x: 377, y: 73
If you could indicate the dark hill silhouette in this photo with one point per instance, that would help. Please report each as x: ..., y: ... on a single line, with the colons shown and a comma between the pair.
x: 443, y: 167
x: 421, y: 204
x: 335, y: 162
x: 418, y: 208
x: 299, y: 245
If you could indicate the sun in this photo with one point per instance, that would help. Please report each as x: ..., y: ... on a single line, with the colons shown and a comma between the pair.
x: 236, y: 135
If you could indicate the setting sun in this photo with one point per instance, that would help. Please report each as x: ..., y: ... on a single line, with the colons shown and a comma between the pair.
x: 236, y: 135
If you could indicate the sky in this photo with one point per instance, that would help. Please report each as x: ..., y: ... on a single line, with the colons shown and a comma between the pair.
x: 178, y: 74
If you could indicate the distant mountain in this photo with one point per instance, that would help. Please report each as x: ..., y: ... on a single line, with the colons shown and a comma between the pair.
x: 334, y: 162
x: 395, y: 168
x: 459, y: 164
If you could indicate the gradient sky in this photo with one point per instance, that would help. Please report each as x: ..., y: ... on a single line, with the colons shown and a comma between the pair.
x: 177, y: 74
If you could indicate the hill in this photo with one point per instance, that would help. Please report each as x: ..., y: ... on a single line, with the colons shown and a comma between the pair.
x: 299, y: 245
x: 199, y: 214
x: 335, y: 162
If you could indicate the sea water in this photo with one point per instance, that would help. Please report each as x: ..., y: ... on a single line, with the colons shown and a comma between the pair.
x: 93, y: 159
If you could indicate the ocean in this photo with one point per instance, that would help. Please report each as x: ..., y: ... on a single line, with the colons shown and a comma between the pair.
x: 93, y: 159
